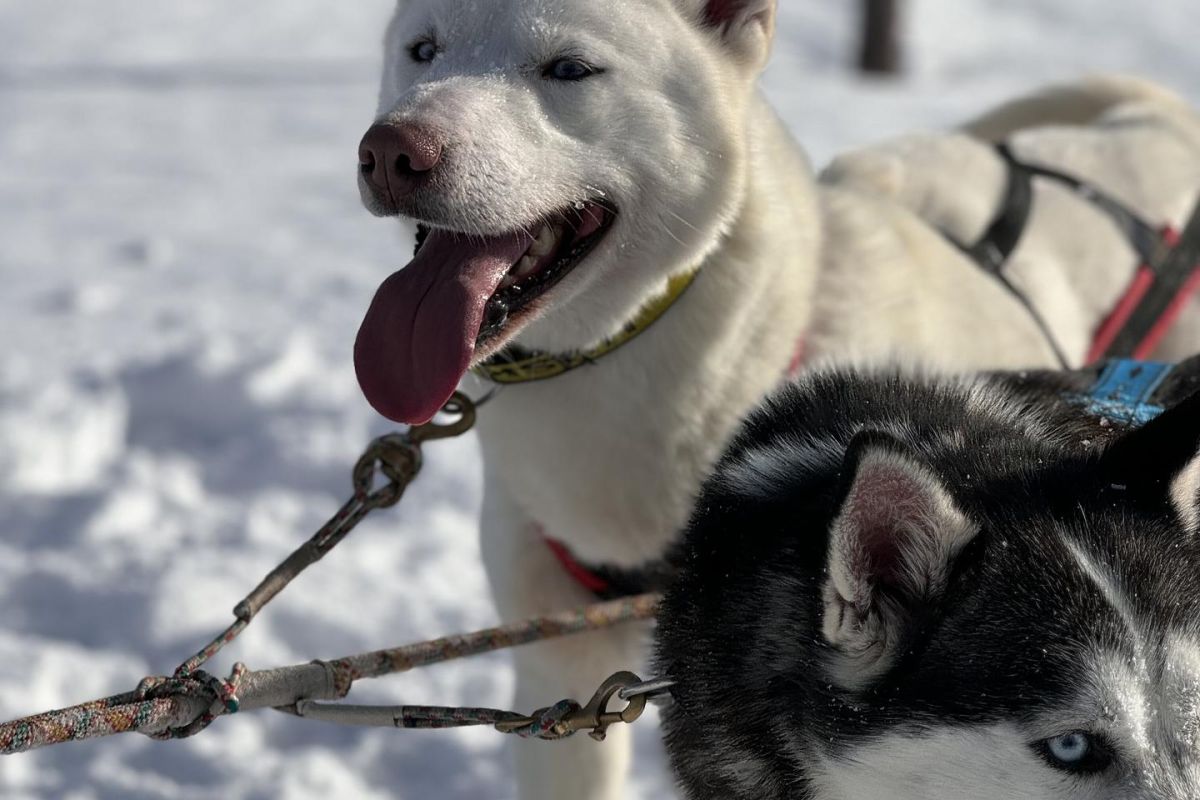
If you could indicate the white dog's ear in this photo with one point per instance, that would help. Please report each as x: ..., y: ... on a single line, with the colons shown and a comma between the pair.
x: 891, y: 550
x: 745, y: 26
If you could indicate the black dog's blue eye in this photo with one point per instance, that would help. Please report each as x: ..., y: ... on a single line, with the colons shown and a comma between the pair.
x: 423, y: 51
x: 1076, y: 751
x: 569, y: 69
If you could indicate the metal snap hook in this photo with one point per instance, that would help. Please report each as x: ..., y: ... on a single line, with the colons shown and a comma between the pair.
x: 595, y: 716
x: 460, y: 406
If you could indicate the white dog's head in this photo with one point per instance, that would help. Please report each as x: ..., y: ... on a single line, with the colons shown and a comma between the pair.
x: 568, y: 156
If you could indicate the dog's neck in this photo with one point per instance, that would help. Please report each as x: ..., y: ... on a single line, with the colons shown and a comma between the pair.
x: 607, y: 458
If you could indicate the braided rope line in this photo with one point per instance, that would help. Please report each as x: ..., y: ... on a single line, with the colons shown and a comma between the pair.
x: 190, y: 699
x: 398, y: 457
x: 169, y: 708
x: 448, y: 648
x: 117, y: 714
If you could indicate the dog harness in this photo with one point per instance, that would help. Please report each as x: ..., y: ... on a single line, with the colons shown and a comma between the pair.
x: 1126, y: 391
x: 1168, y: 273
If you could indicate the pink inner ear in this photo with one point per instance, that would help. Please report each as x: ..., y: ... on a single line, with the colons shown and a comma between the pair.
x: 881, y: 509
x: 722, y: 12
x: 881, y: 553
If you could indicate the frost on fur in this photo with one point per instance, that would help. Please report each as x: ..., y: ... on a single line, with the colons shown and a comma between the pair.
x: 890, y: 550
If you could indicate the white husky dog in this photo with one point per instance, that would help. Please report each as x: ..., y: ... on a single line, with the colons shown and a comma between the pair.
x: 577, y: 161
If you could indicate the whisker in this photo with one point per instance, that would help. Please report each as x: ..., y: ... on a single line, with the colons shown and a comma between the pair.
x: 671, y: 233
x: 684, y: 221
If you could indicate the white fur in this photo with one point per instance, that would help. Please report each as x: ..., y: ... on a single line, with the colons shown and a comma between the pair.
x: 1141, y: 145
x: 608, y: 458
x: 1106, y: 582
x: 1185, y: 495
x: 1151, y: 717
x: 992, y: 762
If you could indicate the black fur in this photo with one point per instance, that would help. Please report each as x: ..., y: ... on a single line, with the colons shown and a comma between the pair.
x: 740, y: 629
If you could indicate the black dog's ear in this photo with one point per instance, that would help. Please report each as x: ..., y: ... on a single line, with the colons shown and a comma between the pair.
x: 891, y: 548
x: 745, y: 26
x: 1160, y: 460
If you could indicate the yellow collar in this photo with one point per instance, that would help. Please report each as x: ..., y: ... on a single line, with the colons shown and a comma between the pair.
x: 516, y: 365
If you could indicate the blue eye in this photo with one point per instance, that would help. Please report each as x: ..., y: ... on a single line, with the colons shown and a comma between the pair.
x: 423, y: 51
x: 1077, y: 751
x: 569, y: 69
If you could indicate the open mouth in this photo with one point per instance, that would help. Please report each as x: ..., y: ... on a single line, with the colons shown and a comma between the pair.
x: 458, y: 301
x: 560, y: 246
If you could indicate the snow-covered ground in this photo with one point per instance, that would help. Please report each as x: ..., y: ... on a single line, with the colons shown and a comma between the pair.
x: 184, y: 264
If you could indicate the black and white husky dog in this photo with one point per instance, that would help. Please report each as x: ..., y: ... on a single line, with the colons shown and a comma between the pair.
x: 925, y: 589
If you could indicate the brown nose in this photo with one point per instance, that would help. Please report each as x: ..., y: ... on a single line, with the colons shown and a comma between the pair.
x: 396, y: 158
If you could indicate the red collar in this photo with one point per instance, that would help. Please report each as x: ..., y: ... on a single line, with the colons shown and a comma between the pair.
x: 582, y: 575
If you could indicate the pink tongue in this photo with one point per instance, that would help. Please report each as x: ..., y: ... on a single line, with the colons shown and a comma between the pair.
x: 418, y: 337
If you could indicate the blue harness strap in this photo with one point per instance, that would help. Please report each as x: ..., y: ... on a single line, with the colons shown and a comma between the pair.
x: 1125, y: 390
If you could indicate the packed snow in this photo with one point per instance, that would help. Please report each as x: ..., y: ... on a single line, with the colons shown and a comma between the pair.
x: 184, y: 264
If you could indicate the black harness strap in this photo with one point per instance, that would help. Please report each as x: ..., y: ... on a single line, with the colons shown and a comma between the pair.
x: 1173, y: 267
x: 1146, y: 239
x: 1001, y: 238
x: 1174, y: 275
x: 998, y: 242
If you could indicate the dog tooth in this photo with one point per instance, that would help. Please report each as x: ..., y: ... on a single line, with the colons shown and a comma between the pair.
x: 524, y: 267
x: 546, y: 239
x: 509, y: 281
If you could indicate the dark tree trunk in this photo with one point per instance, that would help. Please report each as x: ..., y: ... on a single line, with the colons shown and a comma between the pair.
x: 881, y: 36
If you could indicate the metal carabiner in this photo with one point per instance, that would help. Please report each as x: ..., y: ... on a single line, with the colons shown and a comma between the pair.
x: 398, y: 455
x: 595, y: 716
x: 458, y: 405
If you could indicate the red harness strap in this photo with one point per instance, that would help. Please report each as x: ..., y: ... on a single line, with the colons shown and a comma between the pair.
x: 1164, y: 323
x: 1168, y: 275
x: 1112, y: 325
x: 1131, y: 300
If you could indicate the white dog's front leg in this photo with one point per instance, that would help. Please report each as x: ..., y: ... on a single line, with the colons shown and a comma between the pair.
x: 527, y: 580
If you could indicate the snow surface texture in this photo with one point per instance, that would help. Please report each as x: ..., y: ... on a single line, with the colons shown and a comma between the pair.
x: 184, y: 264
